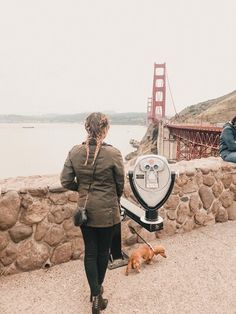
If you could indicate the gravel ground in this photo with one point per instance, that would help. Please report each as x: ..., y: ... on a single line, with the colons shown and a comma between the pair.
x: 199, y: 276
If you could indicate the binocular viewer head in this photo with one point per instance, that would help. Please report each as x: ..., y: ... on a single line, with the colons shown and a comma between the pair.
x: 151, y: 181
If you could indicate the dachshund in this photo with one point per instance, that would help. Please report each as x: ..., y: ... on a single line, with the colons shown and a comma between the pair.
x: 145, y: 253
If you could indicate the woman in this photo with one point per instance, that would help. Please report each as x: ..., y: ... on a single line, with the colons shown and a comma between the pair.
x: 228, y: 141
x: 95, y: 169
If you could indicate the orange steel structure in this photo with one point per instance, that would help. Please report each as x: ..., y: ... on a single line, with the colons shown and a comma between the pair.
x: 195, y: 141
x: 157, y: 104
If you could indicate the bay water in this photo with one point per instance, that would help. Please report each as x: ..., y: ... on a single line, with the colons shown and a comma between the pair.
x: 41, y: 149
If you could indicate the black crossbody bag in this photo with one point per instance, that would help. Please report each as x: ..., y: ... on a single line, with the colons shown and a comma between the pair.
x: 80, y: 215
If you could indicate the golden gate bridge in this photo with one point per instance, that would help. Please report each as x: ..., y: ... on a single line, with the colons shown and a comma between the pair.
x: 178, y: 141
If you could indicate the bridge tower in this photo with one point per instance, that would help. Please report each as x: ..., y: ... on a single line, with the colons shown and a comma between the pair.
x: 156, y: 108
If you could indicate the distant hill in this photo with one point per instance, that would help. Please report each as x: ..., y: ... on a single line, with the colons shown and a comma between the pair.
x: 136, y: 118
x: 216, y: 111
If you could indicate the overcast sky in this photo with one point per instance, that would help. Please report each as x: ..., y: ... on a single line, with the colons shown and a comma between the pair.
x: 74, y: 56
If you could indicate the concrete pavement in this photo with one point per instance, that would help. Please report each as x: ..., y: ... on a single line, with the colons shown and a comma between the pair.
x: 199, y: 276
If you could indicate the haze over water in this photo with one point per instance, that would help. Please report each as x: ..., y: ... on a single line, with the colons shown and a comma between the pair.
x: 43, y: 149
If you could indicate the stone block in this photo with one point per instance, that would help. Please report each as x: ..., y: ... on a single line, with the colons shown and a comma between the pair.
x: 58, y: 198
x: 62, y: 212
x: 215, y: 207
x: 184, y: 199
x: 190, y: 186
x: 54, y: 235
x: 73, y: 197
x: 226, y: 180
x: 226, y: 166
x: 199, y: 178
x: 31, y: 255
x: 56, y: 188
x: 169, y: 228
x: 73, y: 232
x: 146, y: 235
x: 62, y: 253
x: 194, y: 203
x: 38, y: 191
x: 182, y: 212
x: 20, y: 232
x: 176, y: 189
x: 125, y: 230
x: 231, y: 210
x: 77, y: 248
x: 130, y: 240
x: 204, y: 170
x: 181, y: 180
x: 8, y: 255
x: 233, y: 190
x: 200, y: 217
x: 162, y: 212
x: 26, y: 201
x: 217, y: 188
x: 41, y: 230
x: 226, y: 198
x: 189, y: 224
x: 10, y: 270
x: 68, y: 224
x: 35, y: 212
x: 9, y: 209
x: 208, y: 180
x: 50, y: 218
x: 234, y: 178
x: 210, y: 220
x: 135, y: 225
x: 4, y: 240
x: 221, y: 215
x: 190, y: 172
x: 172, y: 202
x: 171, y: 214
x: 206, y: 196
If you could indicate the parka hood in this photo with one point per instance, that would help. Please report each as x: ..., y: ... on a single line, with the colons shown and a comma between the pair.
x: 229, y: 124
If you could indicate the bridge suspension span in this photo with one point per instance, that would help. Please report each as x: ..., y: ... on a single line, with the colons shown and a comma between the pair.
x: 188, y: 141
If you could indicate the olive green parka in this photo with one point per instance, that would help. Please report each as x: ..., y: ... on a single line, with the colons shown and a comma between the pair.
x: 107, y: 182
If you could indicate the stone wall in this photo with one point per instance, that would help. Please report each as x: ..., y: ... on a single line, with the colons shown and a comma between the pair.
x: 204, y: 193
x: 36, y: 228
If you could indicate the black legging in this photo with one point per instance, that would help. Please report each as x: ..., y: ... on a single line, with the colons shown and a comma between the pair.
x: 97, y: 243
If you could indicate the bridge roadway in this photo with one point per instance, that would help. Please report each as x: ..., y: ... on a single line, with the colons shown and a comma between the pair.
x: 198, y: 276
x: 188, y: 141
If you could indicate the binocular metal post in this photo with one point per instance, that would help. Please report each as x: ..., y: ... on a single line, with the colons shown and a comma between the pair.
x: 117, y: 257
x: 151, y: 182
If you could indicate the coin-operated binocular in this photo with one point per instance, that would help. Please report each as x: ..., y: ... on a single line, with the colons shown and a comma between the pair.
x: 151, y: 181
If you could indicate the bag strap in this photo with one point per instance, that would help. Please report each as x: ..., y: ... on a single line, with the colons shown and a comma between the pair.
x: 94, y: 167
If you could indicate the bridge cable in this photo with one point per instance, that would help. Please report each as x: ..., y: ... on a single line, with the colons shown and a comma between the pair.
x: 173, y: 103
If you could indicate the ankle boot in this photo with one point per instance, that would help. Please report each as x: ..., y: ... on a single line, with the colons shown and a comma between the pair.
x: 101, y: 292
x: 103, y: 302
x: 96, y: 305
x: 99, y: 304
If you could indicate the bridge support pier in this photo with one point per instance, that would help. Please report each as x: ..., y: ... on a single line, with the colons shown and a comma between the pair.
x: 166, y: 145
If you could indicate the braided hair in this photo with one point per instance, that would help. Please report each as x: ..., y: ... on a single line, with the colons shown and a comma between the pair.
x: 96, y: 125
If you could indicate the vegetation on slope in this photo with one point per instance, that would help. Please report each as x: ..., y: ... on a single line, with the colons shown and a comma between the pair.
x: 215, y: 111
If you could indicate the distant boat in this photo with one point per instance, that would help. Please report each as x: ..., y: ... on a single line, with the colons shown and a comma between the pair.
x: 27, y: 127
